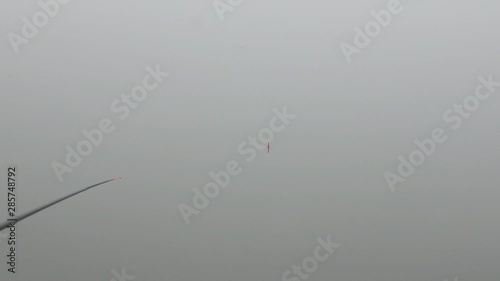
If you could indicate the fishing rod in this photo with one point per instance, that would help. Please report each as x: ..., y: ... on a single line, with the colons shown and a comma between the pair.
x: 28, y: 214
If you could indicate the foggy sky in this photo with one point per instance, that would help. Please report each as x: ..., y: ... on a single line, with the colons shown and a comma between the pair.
x: 324, y: 175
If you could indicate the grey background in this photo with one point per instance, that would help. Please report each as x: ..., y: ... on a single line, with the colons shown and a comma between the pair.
x: 324, y: 175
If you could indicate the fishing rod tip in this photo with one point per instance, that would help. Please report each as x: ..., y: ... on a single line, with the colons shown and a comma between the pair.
x: 117, y: 178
